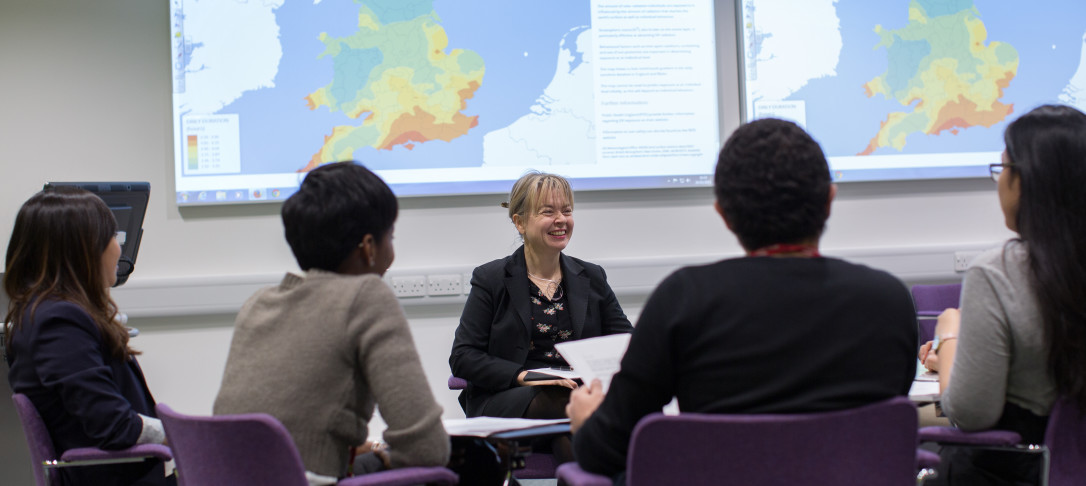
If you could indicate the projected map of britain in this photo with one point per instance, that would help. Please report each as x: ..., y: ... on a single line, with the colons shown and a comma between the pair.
x: 943, y: 70
x: 873, y: 81
x: 395, y: 77
x: 395, y: 84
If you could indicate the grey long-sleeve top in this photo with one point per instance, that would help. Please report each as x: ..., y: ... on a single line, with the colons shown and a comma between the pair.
x: 318, y: 353
x: 1001, y: 355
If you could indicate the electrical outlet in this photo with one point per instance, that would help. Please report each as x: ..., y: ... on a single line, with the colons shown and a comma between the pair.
x: 962, y: 259
x: 409, y: 286
x: 444, y: 285
x: 467, y: 283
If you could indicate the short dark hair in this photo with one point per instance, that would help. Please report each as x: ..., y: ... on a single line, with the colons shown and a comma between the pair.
x: 773, y: 184
x: 336, y: 206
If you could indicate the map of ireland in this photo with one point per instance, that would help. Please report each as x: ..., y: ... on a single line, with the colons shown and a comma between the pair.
x: 944, y: 71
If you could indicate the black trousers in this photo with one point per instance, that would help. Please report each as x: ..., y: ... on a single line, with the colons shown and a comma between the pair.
x: 969, y: 466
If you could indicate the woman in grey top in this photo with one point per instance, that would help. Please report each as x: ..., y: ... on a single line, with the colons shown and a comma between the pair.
x: 1013, y: 347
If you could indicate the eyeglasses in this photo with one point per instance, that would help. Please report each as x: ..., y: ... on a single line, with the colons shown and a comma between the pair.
x: 996, y: 170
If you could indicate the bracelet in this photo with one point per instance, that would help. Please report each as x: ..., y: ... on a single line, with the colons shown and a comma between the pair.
x: 940, y: 340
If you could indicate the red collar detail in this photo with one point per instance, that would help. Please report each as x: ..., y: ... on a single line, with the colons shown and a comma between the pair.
x: 806, y: 251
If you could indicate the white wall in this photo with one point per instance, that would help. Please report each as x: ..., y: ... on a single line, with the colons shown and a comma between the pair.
x: 86, y: 96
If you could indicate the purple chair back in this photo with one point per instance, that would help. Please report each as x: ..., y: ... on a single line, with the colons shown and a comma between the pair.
x: 537, y: 466
x: 255, y: 449
x: 1066, y: 441
x: 232, y: 449
x: 872, y: 445
x: 932, y: 300
x: 37, y: 438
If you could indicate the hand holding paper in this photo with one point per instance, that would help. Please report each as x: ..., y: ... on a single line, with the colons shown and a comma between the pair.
x: 595, y: 358
x: 583, y: 402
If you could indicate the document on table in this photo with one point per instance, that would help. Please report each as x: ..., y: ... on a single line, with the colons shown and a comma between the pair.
x: 487, y: 426
x: 922, y: 373
x: 924, y: 391
x: 925, y: 385
x: 595, y: 358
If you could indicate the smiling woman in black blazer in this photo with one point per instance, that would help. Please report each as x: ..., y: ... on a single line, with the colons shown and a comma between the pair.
x: 521, y: 305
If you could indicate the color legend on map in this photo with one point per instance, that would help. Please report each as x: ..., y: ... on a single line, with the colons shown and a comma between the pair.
x: 193, y: 150
x: 211, y: 144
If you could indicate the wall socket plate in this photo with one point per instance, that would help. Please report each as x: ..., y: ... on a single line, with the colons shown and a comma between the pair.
x: 450, y: 284
x: 962, y: 259
x: 409, y: 286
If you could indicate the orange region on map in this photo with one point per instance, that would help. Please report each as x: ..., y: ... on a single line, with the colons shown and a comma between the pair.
x: 420, y: 127
x: 954, y: 79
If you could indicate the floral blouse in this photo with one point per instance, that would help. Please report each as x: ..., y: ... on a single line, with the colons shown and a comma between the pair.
x: 550, y: 325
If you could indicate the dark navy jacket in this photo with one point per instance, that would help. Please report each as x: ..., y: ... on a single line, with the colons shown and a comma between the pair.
x: 85, y: 396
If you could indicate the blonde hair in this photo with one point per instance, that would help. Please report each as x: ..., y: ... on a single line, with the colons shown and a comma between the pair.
x: 531, y: 188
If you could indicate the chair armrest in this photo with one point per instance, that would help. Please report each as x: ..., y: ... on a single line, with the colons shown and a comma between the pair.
x: 405, y: 476
x: 156, y: 451
x: 951, y: 435
x: 457, y: 383
x: 926, y: 459
x: 570, y: 474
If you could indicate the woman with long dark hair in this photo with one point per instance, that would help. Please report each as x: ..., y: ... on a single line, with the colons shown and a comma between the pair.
x: 66, y: 350
x: 1016, y: 344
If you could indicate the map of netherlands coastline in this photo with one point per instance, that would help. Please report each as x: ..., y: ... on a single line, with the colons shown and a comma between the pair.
x: 941, y: 63
x: 1074, y: 93
x: 395, y: 75
x: 559, y: 128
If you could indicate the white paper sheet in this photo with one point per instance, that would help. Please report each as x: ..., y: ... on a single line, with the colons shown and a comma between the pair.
x: 597, y: 357
x: 485, y: 426
x: 922, y: 373
x: 924, y: 391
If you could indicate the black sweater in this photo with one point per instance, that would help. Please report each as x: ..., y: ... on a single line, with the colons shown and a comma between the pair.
x: 757, y: 335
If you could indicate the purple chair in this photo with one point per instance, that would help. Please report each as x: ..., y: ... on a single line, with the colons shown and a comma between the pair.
x: 1063, y: 453
x: 456, y: 383
x: 536, y: 465
x: 44, y: 456
x: 1065, y: 439
x: 932, y: 300
x: 255, y: 449
x: 870, y: 445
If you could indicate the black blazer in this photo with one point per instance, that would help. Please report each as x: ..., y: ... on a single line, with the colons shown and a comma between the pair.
x: 491, y: 344
x: 85, y: 396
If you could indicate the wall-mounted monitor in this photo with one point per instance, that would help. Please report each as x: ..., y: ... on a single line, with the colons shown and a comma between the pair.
x: 442, y: 96
x: 128, y: 202
x: 914, y: 89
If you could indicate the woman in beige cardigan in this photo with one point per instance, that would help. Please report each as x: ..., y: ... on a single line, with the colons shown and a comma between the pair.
x: 319, y: 351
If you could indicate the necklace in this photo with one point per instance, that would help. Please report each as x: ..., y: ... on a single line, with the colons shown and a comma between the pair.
x: 552, y: 286
x: 537, y: 277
